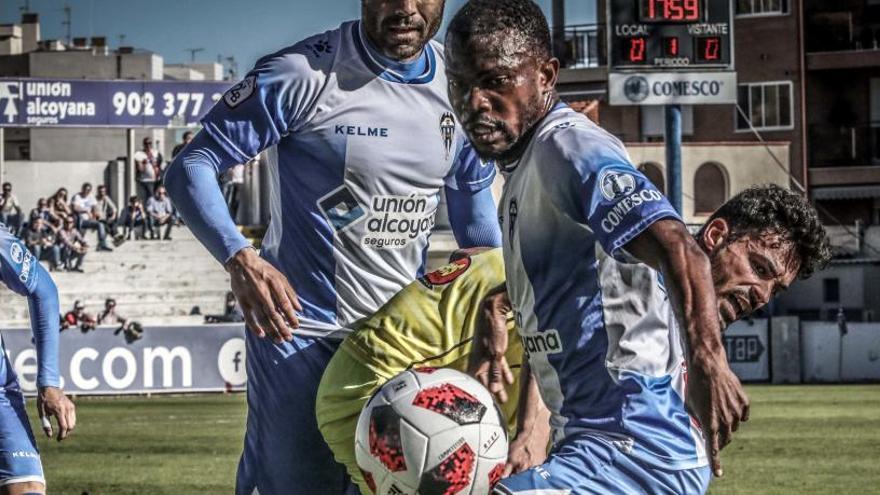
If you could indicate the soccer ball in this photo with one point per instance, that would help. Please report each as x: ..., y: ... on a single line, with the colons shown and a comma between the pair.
x: 431, y: 432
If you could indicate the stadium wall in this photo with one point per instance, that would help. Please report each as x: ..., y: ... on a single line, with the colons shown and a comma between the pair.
x: 32, y: 180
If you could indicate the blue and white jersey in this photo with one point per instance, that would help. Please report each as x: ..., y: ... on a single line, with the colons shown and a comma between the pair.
x: 598, y: 327
x: 357, y: 158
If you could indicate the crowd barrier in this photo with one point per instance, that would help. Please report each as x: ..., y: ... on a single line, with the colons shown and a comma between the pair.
x: 209, y: 358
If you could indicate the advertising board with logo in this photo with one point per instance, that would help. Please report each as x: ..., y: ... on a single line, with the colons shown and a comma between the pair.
x: 208, y: 358
x: 662, y: 88
x: 79, y: 103
x: 748, y: 350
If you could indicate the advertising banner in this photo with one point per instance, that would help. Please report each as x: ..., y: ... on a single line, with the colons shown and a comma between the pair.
x: 209, y: 358
x: 115, y: 103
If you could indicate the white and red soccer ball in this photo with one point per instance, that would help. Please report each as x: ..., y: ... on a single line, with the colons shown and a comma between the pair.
x: 431, y: 432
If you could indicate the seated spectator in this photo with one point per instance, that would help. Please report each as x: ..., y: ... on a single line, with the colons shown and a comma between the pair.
x: 83, y: 205
x: 10, y: 209
x: 78, y: 316
x: 134, y: 216
x: 231, y: 312
x: 187, y: 137
x: 73, y: 246
x: 132, y: 329
x: 58, y: 205
x: 50, y: 219
x: 40, y: 241
x: 160, y: 212
x: 105, y: 211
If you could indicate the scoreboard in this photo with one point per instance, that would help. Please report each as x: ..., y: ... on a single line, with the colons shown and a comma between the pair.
x: 670, y: 35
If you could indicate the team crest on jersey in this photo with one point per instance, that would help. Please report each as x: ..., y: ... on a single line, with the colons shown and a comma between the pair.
x: 447, y: 131
x: 446, y: 273
x: 240, y: 92
x: 615, y: 185
x: 340, y: 208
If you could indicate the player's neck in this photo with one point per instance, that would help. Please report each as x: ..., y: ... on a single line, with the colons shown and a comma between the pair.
x: 406, y: 70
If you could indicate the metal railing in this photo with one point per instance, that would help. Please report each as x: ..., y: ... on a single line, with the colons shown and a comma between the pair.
x: 840, y: 31
x: 844, y: 145
x: 580, y: 46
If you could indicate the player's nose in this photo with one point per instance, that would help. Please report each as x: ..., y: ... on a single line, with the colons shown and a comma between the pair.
x: 404, y: 7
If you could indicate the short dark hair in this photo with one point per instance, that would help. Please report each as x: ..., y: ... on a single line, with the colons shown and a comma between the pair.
x: 524, y: 17
x: 770, y: 208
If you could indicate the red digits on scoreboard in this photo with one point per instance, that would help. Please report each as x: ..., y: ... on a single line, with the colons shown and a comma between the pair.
x: 637, y: 49
x: 712, y: 49
x: 671, y: 46
x: 674, y: 10
x: 692, y: 10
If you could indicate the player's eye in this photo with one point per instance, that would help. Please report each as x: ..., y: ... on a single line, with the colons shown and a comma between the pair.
x: 498, y: 81
x: 760, y: 270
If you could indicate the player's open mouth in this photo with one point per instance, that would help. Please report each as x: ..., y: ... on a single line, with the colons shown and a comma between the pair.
x: 484, y: 134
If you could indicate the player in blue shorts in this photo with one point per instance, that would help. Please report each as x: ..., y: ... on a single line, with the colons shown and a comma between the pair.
x: 21, y: 471
x: 361, y: 141
x: 619, y: 308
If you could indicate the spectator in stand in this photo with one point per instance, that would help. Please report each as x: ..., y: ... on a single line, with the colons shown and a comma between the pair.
x: 160, y: 212
x: 187, y: 137
x: 40, y: 241
x: 78, y: 316
x: 59, y: 206
x: 83, y: 205
x: 106, y: 212
x: 232, y: 186
x: 134, y: 216
x: 42, y: 210
x: 73, y: 246
x: 231, y: 312
x: 10, y: 209
x: 132, y: 329
x: 148, y: 162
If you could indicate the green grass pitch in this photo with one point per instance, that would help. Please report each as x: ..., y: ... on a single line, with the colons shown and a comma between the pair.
x: 801, y: 440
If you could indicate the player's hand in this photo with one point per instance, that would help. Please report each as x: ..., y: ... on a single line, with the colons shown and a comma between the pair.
x: 527, y: 450
x: 716, y: 397
x: 487, y: 362
x: 51, y: 401
x: 267, y: 300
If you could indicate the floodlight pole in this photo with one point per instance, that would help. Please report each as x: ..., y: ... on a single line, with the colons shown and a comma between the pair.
x: 673, y: 155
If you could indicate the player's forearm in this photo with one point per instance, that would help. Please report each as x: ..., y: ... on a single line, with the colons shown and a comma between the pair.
x: 669, y: 247
x: 474, y: 218
x: 191, y: 181
x: 532, y: 416
x: 44, y: 310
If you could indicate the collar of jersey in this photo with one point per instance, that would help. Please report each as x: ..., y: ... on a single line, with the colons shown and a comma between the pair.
x: 510, y: 167
x: 392, y: 70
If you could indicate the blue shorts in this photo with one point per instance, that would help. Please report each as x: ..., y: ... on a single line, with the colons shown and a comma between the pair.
x: 589, y: 465
x: 19, y: 457
x: 284, y: 452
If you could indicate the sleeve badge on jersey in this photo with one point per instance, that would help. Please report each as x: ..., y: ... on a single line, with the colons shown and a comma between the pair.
x: 446, y: 273
x: 615, y: 185
x: 240, y: 92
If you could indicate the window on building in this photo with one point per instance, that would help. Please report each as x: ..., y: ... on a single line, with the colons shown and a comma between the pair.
x: 767, y: 105
x: 761, y: 7
x: 831, y: 290
x: 710, y: 188
x: 654, y: 173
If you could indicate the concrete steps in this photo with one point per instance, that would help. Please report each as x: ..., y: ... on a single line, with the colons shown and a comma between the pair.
x: 156, y: 282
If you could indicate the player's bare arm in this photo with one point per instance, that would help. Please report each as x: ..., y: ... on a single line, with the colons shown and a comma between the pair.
x: 267, y: 299
x: 487, y: 362
x: 529, y: 448
x: 715, y: 395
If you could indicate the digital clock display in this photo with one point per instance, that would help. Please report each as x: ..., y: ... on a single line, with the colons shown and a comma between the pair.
x: 671, y: 11
x: 670, y: 35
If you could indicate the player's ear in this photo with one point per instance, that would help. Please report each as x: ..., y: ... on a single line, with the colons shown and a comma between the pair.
x: 548, y: 72
x: 715, y: 234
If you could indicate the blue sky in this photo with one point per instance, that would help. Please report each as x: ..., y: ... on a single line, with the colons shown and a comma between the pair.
x: 245, y: 29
